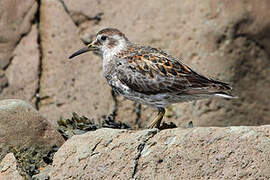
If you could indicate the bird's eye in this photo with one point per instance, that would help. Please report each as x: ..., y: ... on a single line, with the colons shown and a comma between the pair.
x: 103, y: 38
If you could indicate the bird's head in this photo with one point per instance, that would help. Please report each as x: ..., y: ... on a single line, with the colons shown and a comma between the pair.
x: 108, y: 41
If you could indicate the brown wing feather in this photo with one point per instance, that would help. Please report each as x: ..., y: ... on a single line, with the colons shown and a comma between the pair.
x: 151, y: 71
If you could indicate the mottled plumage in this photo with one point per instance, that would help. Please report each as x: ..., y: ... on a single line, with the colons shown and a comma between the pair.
x: 149, y: 75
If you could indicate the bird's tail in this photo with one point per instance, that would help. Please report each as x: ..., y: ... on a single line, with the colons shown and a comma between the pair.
x: 225, y: 95
x: 223, y: 90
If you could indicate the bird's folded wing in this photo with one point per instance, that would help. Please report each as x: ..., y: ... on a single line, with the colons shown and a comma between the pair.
x: 154, y: 73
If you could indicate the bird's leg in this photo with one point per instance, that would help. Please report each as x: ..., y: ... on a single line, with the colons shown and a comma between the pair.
x: 157, y: 120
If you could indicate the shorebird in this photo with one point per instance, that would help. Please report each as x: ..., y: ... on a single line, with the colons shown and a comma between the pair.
x: 150, y: 76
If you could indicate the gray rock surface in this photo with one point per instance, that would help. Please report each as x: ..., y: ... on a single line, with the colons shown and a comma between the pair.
x: 23, y: 126
x: 9, y: 169
x: 194, y: 153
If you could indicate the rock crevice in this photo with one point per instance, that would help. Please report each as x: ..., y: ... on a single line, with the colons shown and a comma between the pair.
x: 140, y: 149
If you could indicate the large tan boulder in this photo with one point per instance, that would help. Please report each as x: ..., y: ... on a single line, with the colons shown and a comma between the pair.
x: 23, y: 127
x: 194, y: 153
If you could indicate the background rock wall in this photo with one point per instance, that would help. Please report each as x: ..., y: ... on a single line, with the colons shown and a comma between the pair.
x: 227, y: 40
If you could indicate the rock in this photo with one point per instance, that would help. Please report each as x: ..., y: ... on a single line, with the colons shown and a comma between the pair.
x: 226, y: 41
x: 8, y: 168
x: 16, y: 17
x: 22, y: 127
x: 22, y: 73
x: 70, y: 86
x: 191, y: 153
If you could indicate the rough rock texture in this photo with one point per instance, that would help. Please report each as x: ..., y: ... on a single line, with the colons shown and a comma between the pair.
x: 69, y: 86
x: 23, y: 71
x: 15, y: 21
x: 8, y: 168
x: 193, y: 153
x: 19, y: 55
x: 23, y: 126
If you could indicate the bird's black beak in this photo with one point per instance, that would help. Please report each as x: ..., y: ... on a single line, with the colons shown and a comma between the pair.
x: 90, y: 47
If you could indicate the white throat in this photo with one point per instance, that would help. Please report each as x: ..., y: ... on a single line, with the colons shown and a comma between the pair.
x: 109, y: 53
